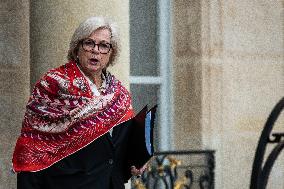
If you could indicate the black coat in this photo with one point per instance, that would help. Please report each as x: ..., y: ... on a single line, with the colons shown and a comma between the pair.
x: 103, y: 164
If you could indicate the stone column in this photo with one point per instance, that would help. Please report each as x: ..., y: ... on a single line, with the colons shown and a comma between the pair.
x: 187, y: 79
x: 53, y: 23
x: 14, y: 80
x: 242, y: 79
x: 228, y: 68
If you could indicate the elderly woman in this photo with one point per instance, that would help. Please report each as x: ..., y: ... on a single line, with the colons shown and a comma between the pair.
x: 76, y: 129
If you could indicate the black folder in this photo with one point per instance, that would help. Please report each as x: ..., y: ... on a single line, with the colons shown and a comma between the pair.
x: 140, y: 144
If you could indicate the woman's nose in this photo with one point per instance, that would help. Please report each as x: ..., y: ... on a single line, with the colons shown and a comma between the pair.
x: 95, y: 49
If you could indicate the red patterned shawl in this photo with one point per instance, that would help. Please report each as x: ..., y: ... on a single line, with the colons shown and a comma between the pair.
x: 62, y: 116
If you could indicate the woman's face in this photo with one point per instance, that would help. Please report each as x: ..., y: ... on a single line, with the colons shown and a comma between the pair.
x: 91, y: 60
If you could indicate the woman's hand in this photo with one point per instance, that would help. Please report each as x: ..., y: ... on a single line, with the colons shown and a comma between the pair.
x: 138, y: 172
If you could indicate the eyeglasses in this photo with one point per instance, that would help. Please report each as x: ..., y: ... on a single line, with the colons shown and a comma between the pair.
x: 89, y: 45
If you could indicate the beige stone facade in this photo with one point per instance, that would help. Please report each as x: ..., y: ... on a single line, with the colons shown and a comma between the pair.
x: 15, y: 78
x: 227, y: 62
x: 229, y: 73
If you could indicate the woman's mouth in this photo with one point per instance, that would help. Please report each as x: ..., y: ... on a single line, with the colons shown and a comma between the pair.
x: 94, y: 61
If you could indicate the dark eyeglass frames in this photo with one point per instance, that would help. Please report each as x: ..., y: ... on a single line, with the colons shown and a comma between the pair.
x: 89, y: 45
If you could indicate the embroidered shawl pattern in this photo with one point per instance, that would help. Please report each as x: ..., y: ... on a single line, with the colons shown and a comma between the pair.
x: 63, y: 116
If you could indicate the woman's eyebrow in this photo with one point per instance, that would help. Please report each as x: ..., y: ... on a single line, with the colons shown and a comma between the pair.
x: 104, y: 41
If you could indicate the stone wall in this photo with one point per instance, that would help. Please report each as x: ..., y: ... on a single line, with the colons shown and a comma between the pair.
x: 14, y: 80
x: 187, y: 75
x: 228, y: 75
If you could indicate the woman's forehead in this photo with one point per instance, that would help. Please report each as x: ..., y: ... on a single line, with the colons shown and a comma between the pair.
x: 101, y: 34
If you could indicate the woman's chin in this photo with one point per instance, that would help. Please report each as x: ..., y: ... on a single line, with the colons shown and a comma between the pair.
x: 95, y: 69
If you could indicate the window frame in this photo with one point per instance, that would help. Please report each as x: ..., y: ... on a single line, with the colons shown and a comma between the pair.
x: 164, y: 78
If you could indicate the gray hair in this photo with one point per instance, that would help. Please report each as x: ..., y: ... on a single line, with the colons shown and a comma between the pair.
x: 86, y: 28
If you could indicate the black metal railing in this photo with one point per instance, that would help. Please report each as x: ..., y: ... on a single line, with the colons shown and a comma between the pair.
x: 261, y: 169
x: 178, y: 170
